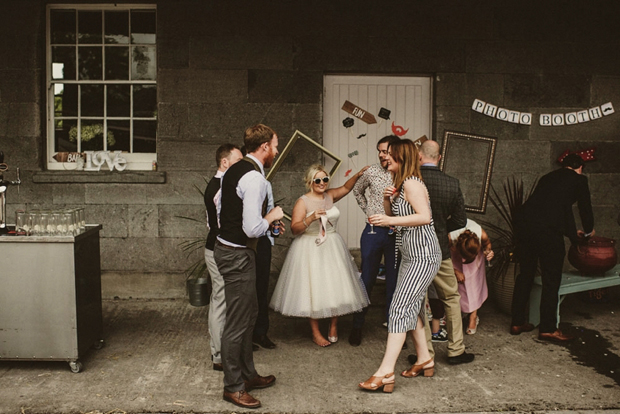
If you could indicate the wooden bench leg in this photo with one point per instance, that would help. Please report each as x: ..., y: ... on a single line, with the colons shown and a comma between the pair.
x: 535, y: 296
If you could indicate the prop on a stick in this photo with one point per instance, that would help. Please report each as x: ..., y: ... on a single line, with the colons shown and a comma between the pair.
x: 353, y: 154
x: 360, y: 136
x: 348, y: 122
x: 346, y: 174
x: 398, y: 130
x: 384, y: 113
x: 359, y: 113
x: 68, y: 156
x: 420, y: 141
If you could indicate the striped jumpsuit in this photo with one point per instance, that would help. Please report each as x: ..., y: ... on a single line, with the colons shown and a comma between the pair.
x: 420, y: 261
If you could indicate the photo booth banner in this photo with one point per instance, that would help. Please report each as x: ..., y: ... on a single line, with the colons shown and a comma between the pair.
x: 525, y: 118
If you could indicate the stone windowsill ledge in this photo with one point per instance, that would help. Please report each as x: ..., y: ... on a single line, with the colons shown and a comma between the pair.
x: 104, y: 177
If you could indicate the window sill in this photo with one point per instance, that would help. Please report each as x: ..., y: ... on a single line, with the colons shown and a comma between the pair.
x: 124, y: 177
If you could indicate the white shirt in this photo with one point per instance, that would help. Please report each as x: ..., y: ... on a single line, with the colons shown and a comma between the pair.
x: 252, y: 189
x: 216, y: 198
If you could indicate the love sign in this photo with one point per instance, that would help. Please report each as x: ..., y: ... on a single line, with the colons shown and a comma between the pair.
x: 96, y: 159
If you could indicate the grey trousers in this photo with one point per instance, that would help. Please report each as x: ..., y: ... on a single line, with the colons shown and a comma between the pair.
x: 217, y: 307
x: 238, y: 268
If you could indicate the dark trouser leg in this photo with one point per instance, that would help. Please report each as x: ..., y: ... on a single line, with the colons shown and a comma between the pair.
x: 437, y: 308
x: 263, y: 269
x: 371, y: 250
x: 551, y: 263
x: 528, y: 261
x: 391, y: 272
x: 238, y: 268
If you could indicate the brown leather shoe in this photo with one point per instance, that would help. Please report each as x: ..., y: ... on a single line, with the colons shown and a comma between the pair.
x: 519, y: 329
x: 217, y: 366
x: 556, y: 336
x: 241, y: 399
x: 259, y: 382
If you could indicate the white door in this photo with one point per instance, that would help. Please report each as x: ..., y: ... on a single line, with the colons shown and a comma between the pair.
x: 409, y: 101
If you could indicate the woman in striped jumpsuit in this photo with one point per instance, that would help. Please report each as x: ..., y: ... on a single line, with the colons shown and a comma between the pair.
x: 408, y: 208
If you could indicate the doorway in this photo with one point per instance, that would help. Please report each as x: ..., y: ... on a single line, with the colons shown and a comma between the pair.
x: 400, y: 102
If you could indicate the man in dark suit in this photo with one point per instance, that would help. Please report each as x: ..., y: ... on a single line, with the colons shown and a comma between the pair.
x: 540, y: 227
x: 448, y: 210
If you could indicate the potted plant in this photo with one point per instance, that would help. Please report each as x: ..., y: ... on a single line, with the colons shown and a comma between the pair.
x: 504, y: 268
x: 197, y: 280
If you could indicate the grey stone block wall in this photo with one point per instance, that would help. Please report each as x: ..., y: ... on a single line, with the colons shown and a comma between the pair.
x: 223, y: 66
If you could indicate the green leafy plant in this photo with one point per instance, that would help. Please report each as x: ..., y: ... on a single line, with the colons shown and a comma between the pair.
x: 89, y: 132
x: 503, y: 236
x: 197, y: 269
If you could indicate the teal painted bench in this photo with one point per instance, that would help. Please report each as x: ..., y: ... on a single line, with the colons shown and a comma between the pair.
x: 572, y: 282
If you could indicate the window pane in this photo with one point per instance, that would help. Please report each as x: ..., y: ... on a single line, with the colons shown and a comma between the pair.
x: 89, y: 27
x: 117, y: 27
x: 65, y: 100
x: 118, y: 103
x: 119, y: 132
x: 63, y: 62
x: 143, y: 26
x: 62, y: 25
x: 143, y: 63
x: 92, y: 100
x: 92, y: 136
x: 90, y: 62
x: 65, y: 132
x: 145, y: 101
x: 116, y: 63
x: 144, y: 136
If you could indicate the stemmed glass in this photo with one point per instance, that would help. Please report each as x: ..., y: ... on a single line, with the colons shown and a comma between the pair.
x: 372, y: 228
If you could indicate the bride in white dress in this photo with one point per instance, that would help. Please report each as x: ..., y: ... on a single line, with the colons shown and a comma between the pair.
x: 319, y: 279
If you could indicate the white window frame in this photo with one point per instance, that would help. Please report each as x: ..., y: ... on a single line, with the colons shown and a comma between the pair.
x: 135, y: 161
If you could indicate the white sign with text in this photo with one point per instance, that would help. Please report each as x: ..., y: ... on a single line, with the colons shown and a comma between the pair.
x: 525, y: 118
x: 96, y: 159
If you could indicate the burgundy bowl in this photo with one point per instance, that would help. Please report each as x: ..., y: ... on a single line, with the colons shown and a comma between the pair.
x: 594, y: 255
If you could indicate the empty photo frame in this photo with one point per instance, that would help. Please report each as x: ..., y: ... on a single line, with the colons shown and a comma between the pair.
x: 287, y: 173
x: 469, y: 158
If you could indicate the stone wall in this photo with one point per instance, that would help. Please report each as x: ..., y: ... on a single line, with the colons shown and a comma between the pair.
x: 226, y: 65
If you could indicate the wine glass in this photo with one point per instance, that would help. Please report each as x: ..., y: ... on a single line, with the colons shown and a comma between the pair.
x: 372, y: 228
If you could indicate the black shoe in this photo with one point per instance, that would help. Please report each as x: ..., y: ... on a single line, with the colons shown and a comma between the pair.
x: 355, y: 337
x: 263, y: 341
x: 217, y: 366
x: 464, y: 358
x: 255, y: 347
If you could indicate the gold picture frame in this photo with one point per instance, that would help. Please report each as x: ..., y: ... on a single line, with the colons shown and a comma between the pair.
x: 295, y: 139
x: 469, y: 158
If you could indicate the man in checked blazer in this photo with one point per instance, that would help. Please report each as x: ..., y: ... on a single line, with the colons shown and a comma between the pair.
x: 448, y: 209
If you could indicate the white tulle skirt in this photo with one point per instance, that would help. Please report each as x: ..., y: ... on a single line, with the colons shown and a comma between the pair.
x: 319, y: 281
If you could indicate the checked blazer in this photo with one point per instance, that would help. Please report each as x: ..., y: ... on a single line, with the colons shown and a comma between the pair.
x: 447, y: 204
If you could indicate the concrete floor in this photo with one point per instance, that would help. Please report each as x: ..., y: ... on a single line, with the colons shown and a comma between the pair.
x: 156, y: 359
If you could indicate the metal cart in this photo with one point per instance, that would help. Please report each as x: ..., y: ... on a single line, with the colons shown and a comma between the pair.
x: 50, y: 297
